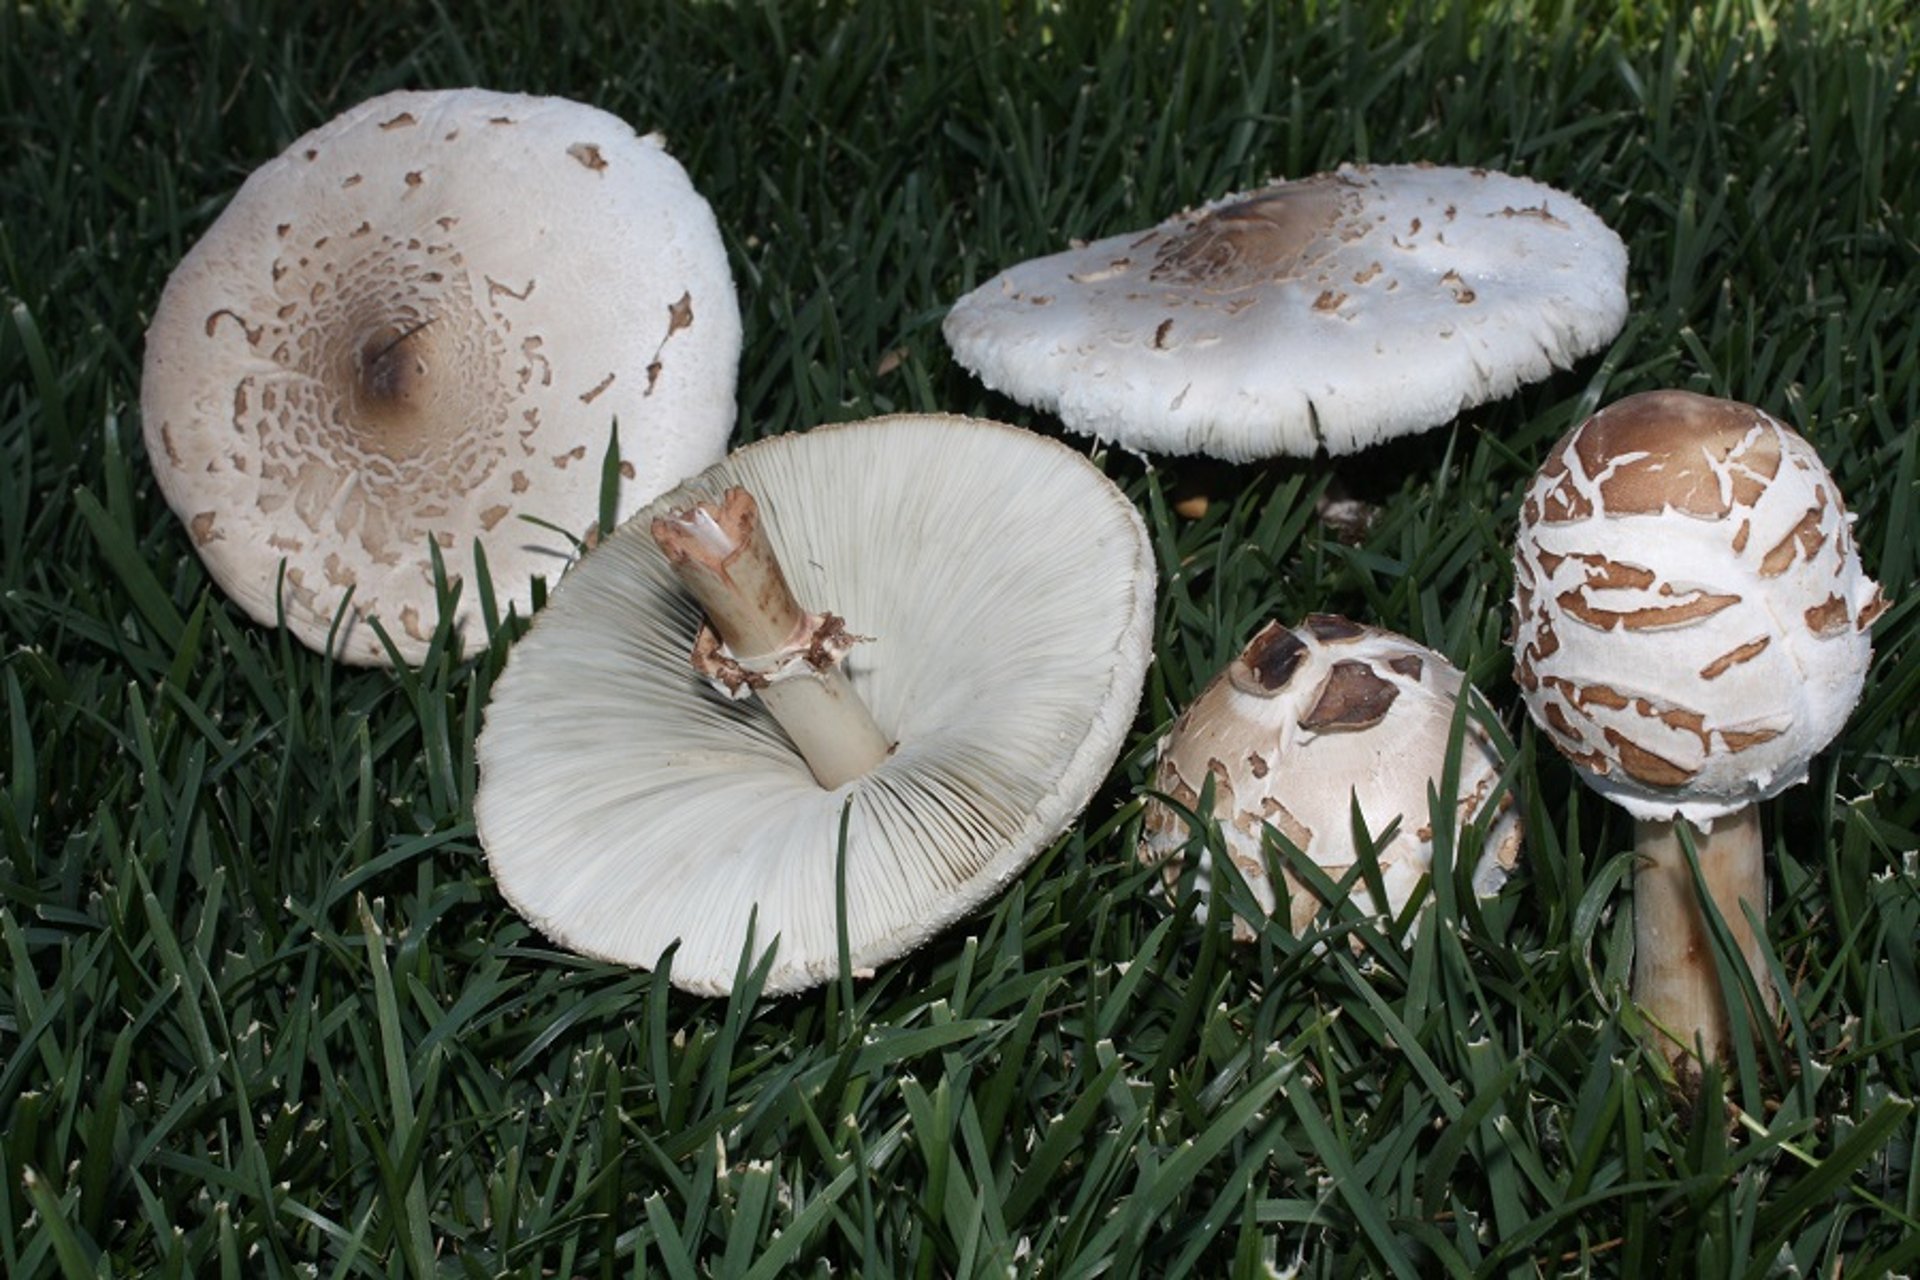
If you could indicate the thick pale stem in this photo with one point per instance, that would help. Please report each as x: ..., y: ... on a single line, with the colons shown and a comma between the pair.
x: 1674, y: 979
x: 784, y: 654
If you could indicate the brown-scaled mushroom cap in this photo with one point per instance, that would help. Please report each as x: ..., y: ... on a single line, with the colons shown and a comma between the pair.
x: 1691, y: 616
x: 1330, y: 312
x: 420, y: 323
x: 1304, y: 723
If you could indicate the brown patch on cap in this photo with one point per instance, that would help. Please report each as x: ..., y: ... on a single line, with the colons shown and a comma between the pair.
x: 1804, y: 539
x: 493, y: 515
x: 1561, y: 726
x: 588, y: 154
x: 1609, y: 574
x: 1329, y: 300
x: 588, y: 397
x: 1456, y: 283
x: 1253, y: 240
x: 1830, y: 617
x: 1672, y: 449
x: 1644, y: 766
x: 1734, y: 657
x: 401, y: 121
x: 202, y: 527
x: 1331, y: 628
x: 1160, y: 333
x: 1268, y: 662
x: 1409, y: 665
x: 1875, y: 607
x: 1740, y: 740
x: 1703, y: 604
x: 1354, y: 697
x: 1256, y: 764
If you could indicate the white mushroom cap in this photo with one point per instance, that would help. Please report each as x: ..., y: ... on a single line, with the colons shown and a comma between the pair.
x: 1691, y: 616
x: 1331, y: 312
x: 1007, y: 587
x: 1302, y: 725
x: 421, y: 322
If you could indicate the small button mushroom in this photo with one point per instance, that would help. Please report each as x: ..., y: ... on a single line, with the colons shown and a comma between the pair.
x: 1691, y: 628
x: 1331, y: 312
x: 418, y: 326
x: 667, y: 758
x: 1302, y: 725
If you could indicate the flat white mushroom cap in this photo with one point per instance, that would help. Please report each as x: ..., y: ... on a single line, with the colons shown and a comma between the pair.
x: 1335, y: 311
x: 1007, y: 587
x: 1299, y: 727
x: 1691, y: 616
x: 420, y: 323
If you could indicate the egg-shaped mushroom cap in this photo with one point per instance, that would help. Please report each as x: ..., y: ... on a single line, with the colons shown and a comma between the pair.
x: 1306, y: 723
x: 1007, y: 587
x: 1691, y: 618
x: 420, y: 324
x: 1332, y: 312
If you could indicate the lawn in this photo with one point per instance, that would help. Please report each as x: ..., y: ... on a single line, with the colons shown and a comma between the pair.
x: 264, y: 1013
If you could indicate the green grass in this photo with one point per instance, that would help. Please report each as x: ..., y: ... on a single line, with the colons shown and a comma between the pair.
x: 262, y: 1012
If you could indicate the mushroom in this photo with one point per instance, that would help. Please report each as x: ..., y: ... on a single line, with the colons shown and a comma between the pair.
x: 1330, y: 312
x: 641, y: 790
x: 419, y: 325
x: 1691, y: 628
x: 1306, y: 723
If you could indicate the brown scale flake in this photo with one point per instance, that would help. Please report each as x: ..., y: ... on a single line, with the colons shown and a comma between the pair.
x: 203, y: 530
x: 401, y: 121
x: 1646, y: 767
x: 1329, y: 300
x: 493, y: 515
x: 1804, y: 538
x: 415, y: 178
x: 1332, y: 628
x: 1408, y: 665
x: 588, y: 154
x: 1366, y: 274
x: 1353, y: 697
x: 1875, y: 607
x: 1256, y: 764
x: 1609, y: 574
x: 339, y: 573
x: 1830, y: 617
x: 1160, y: 334
x: 1734, y: 657
x: 574, y: 454
x: 1462, y: 292
x: 1702, y: 605
x: 1562, y: 726
x: 626, y: 470
x: 1740, y: 537
x: 1268, y: 661
x: 588, y: 397
x: 519, y: 482
x: 1538, y: 212
x: 1738, y: 740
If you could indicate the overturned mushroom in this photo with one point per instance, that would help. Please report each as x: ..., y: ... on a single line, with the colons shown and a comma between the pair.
x: 639, y: 791
x: 1691, y: 628
x: 420, y: 325
x: 1302, y: 725
x: 1330, y: 312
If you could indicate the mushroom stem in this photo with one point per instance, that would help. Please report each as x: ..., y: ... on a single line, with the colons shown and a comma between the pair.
x: 773, y: 646
x: 1674, y: 979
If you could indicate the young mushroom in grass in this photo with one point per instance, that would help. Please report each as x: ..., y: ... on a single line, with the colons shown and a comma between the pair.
x: 1302, y: 726
x: 1330, y: 313
x: 1691, y: 628
x: 420, y: 324
x: 668, y: 756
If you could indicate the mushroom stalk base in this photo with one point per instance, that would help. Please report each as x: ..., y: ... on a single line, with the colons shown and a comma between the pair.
x: 759, y: 638
x: 1675, y: 982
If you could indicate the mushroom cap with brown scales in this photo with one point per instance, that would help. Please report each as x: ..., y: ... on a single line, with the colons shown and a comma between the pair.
x: 1691, y: 615
x: 1334, y: 312
x: 420, y: 324
x: 1302, y: 724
